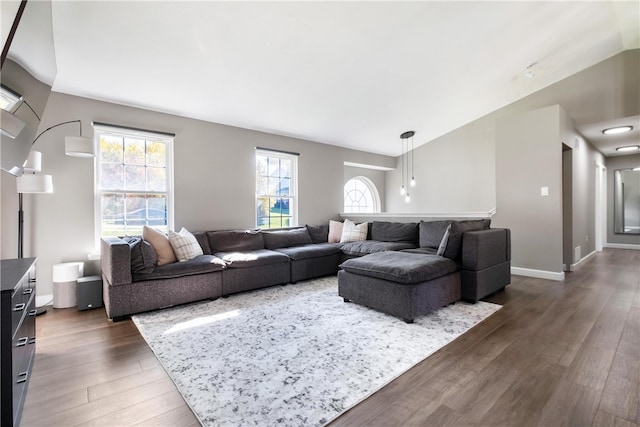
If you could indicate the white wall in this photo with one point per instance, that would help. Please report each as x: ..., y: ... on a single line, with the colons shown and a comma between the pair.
x: 214, y: 180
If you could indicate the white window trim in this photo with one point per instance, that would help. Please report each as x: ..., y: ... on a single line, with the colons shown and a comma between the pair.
x: 126, y: 132
x: 294, y: 183
x: 372, y: 188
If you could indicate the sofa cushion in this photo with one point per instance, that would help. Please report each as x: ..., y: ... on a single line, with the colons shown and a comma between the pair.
x: 352, y: 232
x: 235, y: 240
x: 160, y: 244
x: 198, y: 265
x: 251, y: 258
x: 143, y: 256
x: 314, y: 250
x: 335, y: 231
x: 454, y: 244
x: 184, y: 245
x: 400, y: 267
x: 384, y: 231
x: 431, y: 233
x: 286, y: 238
x: 365, y: 247
x: 423, y: 251
x: 319, y: 233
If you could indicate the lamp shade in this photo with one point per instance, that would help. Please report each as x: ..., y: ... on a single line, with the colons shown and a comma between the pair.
x: 35, y: 183
x: 34, y: 162
x: 10, y: 125
x: 79, y: 146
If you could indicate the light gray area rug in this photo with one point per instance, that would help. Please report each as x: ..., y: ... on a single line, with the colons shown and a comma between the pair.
x: 293, y: 355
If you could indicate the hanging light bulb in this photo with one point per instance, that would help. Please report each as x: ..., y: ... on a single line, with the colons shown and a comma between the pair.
x: 413, y: 179
x: 412, y: 183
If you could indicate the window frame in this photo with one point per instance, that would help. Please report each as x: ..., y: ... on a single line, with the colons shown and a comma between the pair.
x: 375, y: 195
x: 124, y: 132
x: 293, y: 189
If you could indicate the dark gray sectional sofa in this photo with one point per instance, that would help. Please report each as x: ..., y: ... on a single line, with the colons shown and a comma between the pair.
x: 241, y: 260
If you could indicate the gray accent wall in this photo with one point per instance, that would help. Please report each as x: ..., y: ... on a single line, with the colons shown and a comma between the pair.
x: 528, y: 158
x: 214, y: 179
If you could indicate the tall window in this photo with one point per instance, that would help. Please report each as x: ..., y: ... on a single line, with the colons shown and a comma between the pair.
x: 361, y: 195
x: 134, y: 181
x: 276, y: 184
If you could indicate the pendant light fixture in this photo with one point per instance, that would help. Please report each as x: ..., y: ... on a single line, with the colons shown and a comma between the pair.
x: 404, y: 190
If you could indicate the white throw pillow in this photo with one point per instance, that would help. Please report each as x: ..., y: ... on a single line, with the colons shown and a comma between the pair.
x: 352, y: 232
x: 185, y: 245
x: 335, y: 231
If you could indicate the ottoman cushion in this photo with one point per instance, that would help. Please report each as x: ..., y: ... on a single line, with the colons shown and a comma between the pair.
x: 400, y: 267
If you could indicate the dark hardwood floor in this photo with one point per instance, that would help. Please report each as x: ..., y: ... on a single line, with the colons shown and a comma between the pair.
x: 557, y: 353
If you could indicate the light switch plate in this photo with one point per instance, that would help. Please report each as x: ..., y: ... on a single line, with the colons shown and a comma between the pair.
x: 544, y: 191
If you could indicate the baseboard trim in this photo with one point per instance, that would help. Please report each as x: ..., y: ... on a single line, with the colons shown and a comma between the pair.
x: 622, y: 246
x: 539, y: 274
x: 584, y: 258
x: 42, y: 300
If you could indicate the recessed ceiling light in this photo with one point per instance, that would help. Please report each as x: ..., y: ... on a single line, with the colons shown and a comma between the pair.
x: 617, y: 129
x: 629, y: 148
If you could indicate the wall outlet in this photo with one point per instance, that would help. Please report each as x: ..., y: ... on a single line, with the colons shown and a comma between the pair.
x: 544, y: 191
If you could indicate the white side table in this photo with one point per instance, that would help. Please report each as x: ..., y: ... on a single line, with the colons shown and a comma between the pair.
x: 64, y: 283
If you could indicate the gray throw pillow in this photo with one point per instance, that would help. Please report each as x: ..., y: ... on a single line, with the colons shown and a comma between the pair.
x: 143, y: 256
x: 458, y: 228
x: 319, y: 233
x: 431, y: 233
x: 443, y: 244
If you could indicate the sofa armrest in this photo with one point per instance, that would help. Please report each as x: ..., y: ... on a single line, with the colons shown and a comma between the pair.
x: 115, y: 260
x: 485, y: 248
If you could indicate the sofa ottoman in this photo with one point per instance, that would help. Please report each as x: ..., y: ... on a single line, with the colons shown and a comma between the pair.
x: 402, y: 284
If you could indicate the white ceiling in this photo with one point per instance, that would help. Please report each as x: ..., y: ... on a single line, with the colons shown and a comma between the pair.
x: 353, y: 74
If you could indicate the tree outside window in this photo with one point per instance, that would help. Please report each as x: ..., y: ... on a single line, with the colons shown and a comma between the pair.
x: 275, y: 189
x: 133, y: 187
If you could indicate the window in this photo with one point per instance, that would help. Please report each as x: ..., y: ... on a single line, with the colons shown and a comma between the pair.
x: 276, y: 183
x: 134, y: 181
x: 8, y: 99
x: 361, y: 195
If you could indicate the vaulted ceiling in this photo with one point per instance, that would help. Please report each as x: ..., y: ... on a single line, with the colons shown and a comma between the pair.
x: 353, y: 74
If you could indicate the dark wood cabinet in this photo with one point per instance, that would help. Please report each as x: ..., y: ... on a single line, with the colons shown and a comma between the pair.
x: 17, y: 335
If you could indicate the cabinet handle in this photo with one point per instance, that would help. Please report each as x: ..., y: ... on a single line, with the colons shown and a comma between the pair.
x: 22, y: 377
x: 32, y: 280
x: 32, y: 340
x: 27, y: 291
x: 19, y: 307
x: 22, y: 342
x: 33, y: 313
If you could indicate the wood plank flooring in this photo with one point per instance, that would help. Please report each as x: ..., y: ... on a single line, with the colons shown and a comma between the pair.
x: 557, y: 353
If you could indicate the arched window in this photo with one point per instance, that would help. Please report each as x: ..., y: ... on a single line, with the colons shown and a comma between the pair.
x: 361, y: 195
